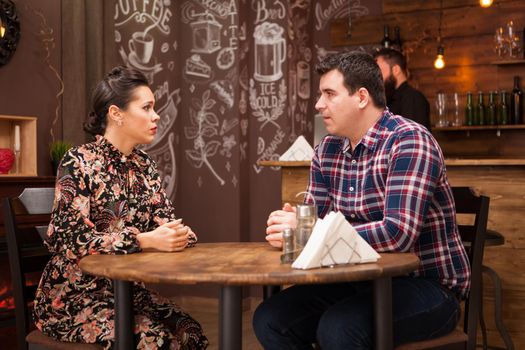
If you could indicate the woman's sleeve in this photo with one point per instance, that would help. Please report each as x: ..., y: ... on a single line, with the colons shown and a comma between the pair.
x: 71, y: 231
x: 161, y: 206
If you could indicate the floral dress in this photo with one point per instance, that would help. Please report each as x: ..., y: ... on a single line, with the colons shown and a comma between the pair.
x: 103, y: 199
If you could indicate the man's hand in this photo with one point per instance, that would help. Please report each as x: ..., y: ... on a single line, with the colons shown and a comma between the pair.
x: 278, y: 221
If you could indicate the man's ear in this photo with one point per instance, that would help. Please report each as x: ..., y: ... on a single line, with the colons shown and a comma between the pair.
x: 114, y: 114
x: 396, y: 70
x: 364, y: 97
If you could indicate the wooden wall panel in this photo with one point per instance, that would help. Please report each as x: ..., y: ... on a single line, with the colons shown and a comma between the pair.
x: 469, y: 21
x: 395, y: 6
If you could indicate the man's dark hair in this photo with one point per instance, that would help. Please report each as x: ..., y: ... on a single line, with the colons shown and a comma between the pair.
x: 393, y: 57
x: 359, y: 69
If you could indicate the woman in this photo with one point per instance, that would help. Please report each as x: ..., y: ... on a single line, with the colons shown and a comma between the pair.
x: 109, y: 200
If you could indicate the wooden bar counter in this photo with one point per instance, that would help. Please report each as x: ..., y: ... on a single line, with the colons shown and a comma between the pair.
x: 503, y: 180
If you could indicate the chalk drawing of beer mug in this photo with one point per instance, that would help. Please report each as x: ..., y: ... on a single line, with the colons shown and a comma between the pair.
x: 270, y: 52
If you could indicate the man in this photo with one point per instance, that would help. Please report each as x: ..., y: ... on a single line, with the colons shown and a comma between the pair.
x: 386, y: 174
x: 401, y: 98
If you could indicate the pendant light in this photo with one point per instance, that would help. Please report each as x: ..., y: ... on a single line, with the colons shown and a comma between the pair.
x: 485, y: 3
x: 439, y: 62
x: 2, y: 28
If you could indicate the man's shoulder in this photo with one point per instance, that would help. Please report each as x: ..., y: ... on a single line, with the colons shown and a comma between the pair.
x: 411, y: 92
x: 399, y: 125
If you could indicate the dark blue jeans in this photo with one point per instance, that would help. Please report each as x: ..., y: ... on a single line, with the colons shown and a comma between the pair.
x: 340, y: 316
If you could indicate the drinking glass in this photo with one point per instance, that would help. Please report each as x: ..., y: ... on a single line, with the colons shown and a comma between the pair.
x: 441, y: 109
x: 454, y: 110
x: 500, y: 45
x: 513, y: 40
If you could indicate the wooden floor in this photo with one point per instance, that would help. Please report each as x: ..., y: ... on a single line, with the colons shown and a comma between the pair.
x: 204, y: 310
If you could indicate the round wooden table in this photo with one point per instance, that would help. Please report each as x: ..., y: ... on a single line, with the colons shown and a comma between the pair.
x: 233, y: 265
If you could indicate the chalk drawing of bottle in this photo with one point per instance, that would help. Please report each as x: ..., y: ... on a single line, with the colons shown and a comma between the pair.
x: 303, y: 80
x: 206, y: 33
x: 270, y: 52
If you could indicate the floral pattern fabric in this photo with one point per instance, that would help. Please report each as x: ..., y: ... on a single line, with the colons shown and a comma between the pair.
x: 103, y: 199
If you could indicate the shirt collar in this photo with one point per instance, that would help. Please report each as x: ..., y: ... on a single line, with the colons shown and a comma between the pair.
x: 372, y: 136
x: 113, y: 154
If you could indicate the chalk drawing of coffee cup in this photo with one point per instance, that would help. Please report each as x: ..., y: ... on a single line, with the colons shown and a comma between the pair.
x: 141, y: 45
x: 270, y: 52
x: 303, y: 80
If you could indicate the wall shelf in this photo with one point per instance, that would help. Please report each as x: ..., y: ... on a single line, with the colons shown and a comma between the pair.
x: 479, y: 127
x: 508, y: 62
x: 27, y: 161
x: 475, y: 128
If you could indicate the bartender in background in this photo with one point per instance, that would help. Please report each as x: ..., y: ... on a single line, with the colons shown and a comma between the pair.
x: 401, y: 98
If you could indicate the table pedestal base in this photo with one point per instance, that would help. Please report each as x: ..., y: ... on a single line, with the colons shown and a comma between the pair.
x: 384, y: 335
x: 123, y: 315
x: 230, y: 322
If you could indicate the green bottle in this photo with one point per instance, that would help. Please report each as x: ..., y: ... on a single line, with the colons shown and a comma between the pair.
x: 469, y: 110
x: 503, y: 109
x: 479, y: 112
x: 491, y: 110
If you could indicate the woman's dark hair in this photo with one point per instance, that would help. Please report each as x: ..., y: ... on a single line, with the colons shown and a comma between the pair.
x: 115, y: 89
x: 359, y: 69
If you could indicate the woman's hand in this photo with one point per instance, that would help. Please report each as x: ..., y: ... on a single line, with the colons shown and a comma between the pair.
x: 278, y: 221
x: 170, y: 237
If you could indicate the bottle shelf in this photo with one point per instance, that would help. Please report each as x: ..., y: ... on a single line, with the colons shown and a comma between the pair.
x: 508, y: 62
x: 479, y: 127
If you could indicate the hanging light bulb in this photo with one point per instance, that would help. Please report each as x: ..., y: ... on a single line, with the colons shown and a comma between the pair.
x: 2, y: 28
x: 485, y: 3
x: 439, y: 62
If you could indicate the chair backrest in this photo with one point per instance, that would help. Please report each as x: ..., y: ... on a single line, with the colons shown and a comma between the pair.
x: 473, y: 236
x: 26, y: 218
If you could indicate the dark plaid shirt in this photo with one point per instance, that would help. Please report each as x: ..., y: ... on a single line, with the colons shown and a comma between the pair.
x: 393, y: 189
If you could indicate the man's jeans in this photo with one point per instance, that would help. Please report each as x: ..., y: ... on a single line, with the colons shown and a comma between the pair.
x: 340, y: 316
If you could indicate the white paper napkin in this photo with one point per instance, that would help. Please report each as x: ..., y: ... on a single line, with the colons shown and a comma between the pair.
x: 334, y: 241
x: 299, y: 150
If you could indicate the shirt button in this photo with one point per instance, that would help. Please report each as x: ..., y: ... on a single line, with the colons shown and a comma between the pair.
x: 351, y: 188
x: 354, y: 161
x: 352, y: 216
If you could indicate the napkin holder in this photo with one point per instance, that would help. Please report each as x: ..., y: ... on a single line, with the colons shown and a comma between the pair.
x: 334, y: 242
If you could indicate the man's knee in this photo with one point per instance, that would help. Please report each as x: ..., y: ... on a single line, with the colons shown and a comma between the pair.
x: 264, y: 320
x: 336, y: 332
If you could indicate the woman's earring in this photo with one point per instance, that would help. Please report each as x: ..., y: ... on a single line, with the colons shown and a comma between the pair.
x: 119, y: 122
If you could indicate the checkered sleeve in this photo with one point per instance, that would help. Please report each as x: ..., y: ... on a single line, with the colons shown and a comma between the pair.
x: 415, y: 166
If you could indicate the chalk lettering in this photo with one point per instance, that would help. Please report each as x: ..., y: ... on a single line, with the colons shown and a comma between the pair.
x: 220, y: 8
x: 264, y: 14
x: 303, y: 105
x: 267, y: 89
x: 277, y: 140
x: 323, y: 16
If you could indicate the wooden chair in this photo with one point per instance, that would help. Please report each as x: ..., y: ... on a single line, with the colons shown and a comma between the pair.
x: 24, y: 217
x: 473, y: 236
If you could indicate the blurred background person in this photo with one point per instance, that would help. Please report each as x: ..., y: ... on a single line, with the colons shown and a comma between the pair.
x: 401, y: 98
